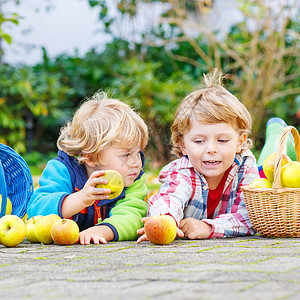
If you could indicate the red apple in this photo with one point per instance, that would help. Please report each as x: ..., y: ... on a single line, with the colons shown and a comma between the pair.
x: 160, y: 229
x: 65, y: 232
x: 269, y: 164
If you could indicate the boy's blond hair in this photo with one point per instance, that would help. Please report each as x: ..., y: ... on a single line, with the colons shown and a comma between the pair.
x: 210, y: 105
x: 101, y: 122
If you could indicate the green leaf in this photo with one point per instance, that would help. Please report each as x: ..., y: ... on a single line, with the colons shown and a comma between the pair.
x: 7, y: 38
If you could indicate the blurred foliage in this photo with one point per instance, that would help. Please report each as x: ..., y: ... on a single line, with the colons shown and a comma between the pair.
x: 153, y: 78
x: 261, y: 53
x: 156, y: 96
x: 37, y: 160
x: 12, y: 18
x: 31, y: 94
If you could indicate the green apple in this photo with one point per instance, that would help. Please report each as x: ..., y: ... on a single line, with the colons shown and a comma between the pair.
x: 42, y: 228
x: 65, y: 232
x: 261, y: 183
x: 290, y: 175
x: 12, y: 230
x: 115, y: 183
x: 160, y: 229
x: 30, y: 225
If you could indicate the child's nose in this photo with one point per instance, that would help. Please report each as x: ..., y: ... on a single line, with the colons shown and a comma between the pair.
x: 211, y: 147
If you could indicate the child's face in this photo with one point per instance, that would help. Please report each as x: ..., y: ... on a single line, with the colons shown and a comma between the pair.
x: 211, y: 149
x: 127, y: 162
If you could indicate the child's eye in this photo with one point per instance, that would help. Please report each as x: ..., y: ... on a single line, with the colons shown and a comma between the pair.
x: 199, y: 141
x: 126, y: 155
x: 222, y: 140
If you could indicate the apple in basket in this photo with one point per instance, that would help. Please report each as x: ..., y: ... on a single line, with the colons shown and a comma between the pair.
x: 269, y: 164
x: 12, y: 230
x: 42, y: 228
x: 290, y: 175
x: 261, y: 183
x: 160, y: 229
x: 8, y: 205
x: 65, y: 232
x: 30, y: 228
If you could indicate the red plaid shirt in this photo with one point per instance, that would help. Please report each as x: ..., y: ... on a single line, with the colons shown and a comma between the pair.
x: 184, y: 191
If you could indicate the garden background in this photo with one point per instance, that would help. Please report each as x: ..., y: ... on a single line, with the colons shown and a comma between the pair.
x: 154, y: 71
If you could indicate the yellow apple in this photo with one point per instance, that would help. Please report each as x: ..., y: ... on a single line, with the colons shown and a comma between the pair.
x: 269, y: 164
x: 261, y: 183
x: 30, y: 225
x: 160, y: 229
x: 290, y: 175
x: 12, y: 230
x: 42, y: 228
x: 8, y: 205
x: 115, y: 183
x: 65, y: 232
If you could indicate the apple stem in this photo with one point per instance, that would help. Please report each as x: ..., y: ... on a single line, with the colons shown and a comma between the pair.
x: 64, y: 221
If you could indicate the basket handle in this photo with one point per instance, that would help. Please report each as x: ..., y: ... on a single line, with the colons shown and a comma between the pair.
x: 281, y: 145
x: 3, y: 191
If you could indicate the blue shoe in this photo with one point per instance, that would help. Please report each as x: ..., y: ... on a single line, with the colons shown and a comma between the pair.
x: 276, y: 120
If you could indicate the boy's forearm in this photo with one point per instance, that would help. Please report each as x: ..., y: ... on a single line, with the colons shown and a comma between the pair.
x: 106, y: 232
x: 72, y: 205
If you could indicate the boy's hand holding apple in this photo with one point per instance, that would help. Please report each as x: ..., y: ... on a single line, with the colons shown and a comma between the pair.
x: 94, y: 189
x: 90, y: 192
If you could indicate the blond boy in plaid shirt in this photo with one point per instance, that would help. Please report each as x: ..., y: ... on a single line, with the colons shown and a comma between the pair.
x: 201, y: 189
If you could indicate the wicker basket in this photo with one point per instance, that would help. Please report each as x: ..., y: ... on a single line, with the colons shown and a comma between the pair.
x: 15, y: 181
x: 275, y: 212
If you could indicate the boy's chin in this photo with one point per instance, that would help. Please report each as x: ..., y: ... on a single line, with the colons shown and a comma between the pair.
x: 128, y: 183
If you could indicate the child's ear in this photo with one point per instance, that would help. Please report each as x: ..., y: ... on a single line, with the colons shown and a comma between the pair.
x: 242, y: 141
x: 89, y: 162
x: 182, y: 146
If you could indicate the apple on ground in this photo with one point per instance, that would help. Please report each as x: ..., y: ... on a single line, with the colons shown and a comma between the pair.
x: 65, y: 232
x: 269, y: 164
x: 12, y: 230
x: 30, y: 225
x: 115, y: 183
x: 42, y: 228
x: 290, y: 175
x: 261, y: 183
x: 160, y: 229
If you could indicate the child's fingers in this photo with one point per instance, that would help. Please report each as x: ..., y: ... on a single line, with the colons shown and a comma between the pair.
x: 102, y: 191
x: 84, y: 239
x: 179, y: 232
x: 99, y: 240
x: 141, y: 231
x: 142, y: 238
x: 145, y: 219
x: 99, y: 180
x: 97, y: 174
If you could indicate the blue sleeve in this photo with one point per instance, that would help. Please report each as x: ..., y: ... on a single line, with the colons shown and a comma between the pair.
x: 54, y: 185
